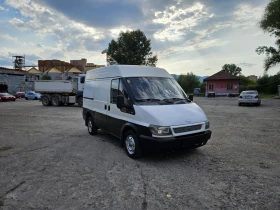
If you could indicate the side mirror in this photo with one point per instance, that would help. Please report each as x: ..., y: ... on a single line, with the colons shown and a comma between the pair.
x: 191, y: 97
x: 120, y: 101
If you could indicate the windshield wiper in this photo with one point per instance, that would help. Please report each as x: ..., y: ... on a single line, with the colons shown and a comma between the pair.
x: 149, y: 99
x: 176, y: 99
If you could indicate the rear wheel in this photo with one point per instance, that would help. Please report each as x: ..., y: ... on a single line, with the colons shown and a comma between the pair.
x: 131, y: 145
x: 92, y: 130
x: 45, y: 101
x: 26, y: 98
x: 70, y: 104
x: 239, y: 104
x: 55, y: 101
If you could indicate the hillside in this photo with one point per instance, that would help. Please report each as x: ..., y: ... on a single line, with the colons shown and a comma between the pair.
x: 201, y: 78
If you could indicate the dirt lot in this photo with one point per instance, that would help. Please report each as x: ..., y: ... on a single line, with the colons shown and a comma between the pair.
x: 48, y: 161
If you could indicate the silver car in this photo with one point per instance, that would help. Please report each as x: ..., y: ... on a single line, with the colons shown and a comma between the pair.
x: 249, y: 97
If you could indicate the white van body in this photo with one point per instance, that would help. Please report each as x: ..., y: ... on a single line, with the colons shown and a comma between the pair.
x: 155, y: 108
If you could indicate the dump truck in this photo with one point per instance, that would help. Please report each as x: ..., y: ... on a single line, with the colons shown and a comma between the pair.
x: 61, y: 92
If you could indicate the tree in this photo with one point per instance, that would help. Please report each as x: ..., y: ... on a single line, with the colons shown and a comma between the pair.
x: 46, y: 77
x: 268, y: 84
x: 202, y: 87
x: 188, y: 82
x: 132, y: 47
x: 246, y: 84
x: 232, y: 69
x: 270, y: 23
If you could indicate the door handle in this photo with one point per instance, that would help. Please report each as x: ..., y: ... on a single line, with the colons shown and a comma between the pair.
x: 105, y: 106
x: 108, y: 107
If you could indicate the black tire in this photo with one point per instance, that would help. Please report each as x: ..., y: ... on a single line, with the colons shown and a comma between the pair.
x: 45, y: 101
x: 258, y: 104
x: 80, y: 101
x: 92, y: 130
x: 26, y: 98
x: 239, y: 104
x: 55, y: 101
x: 131, y: 145
x: 70, y: 104
x: 35, y: 98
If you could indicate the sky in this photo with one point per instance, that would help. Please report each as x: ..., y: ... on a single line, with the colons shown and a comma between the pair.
x: 198, y: 36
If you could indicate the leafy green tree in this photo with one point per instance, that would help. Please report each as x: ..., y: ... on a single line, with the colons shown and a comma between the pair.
x: 132, y: 47
x: 188, y: 82
x: 270, y: 23
x: 245, y: 83
x: 268, y: 84
x: 232, y: 69
x: 46, y: 77
x: 202, y: 87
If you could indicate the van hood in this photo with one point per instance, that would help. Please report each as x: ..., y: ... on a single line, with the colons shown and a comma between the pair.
x: 175, y: 114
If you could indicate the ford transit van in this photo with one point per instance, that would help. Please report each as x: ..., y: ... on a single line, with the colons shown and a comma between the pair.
x: 141, y: 104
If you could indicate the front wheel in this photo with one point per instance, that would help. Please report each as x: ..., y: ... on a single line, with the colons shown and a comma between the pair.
x: 92, y: 130
x: 131, y: 145
x: 26, y: 98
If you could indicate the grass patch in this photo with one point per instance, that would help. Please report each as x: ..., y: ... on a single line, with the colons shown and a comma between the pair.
x: 5, y: 148
x: 2, y: 199
x: 265, y: 95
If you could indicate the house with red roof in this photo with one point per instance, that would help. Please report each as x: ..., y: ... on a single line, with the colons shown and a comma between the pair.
x: 222, y: 84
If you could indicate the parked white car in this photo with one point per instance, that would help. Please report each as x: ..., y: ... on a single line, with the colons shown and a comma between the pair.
x: 249, y: 97
x: 142, y: 105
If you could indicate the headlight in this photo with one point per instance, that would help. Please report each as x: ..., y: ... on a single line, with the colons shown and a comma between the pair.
x: 160, y: 131
x: 207, y: 125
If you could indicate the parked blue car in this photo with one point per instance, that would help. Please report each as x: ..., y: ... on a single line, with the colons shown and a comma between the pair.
x: 32, y: 95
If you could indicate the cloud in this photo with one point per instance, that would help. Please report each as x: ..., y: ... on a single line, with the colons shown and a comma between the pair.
x: 8, y: 37
x: 3, y: 9
x: 246, y: 64
x: 99, y: 13
x: 179, y: 30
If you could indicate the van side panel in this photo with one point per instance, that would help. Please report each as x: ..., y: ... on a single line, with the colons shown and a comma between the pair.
x: 100, y: 103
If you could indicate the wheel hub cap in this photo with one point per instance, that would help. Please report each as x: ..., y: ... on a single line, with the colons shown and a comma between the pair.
x: 90, y: 126
x: 130, y: 145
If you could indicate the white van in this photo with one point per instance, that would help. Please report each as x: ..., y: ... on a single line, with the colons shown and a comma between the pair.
x: 141, y: 105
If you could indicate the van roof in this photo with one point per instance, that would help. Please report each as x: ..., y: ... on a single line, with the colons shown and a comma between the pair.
x: 126, y: 71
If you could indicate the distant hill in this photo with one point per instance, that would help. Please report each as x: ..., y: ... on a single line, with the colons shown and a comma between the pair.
x: 201, y: 78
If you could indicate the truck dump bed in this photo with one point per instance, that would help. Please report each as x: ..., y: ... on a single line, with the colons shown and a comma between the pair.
x: 56, y: 86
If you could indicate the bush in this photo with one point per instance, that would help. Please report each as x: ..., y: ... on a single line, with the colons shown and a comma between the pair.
x: 46, y: 77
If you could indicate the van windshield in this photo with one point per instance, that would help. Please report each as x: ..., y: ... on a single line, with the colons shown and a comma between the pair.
x: 154, y: 88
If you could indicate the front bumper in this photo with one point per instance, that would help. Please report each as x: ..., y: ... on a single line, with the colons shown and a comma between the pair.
x: 179, y: 141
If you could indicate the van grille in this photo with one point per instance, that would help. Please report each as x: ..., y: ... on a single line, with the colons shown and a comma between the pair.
x: 187, y: 128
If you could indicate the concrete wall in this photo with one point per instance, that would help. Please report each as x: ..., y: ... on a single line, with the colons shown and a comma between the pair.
x: 17, y: 83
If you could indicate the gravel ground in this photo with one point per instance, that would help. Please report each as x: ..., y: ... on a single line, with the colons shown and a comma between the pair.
x: 49, y: 161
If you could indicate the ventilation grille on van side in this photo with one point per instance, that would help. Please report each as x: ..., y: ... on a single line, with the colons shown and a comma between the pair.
x: 187, y: 129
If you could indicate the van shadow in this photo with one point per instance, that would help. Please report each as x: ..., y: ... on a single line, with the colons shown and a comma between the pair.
x: 155, y: 153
